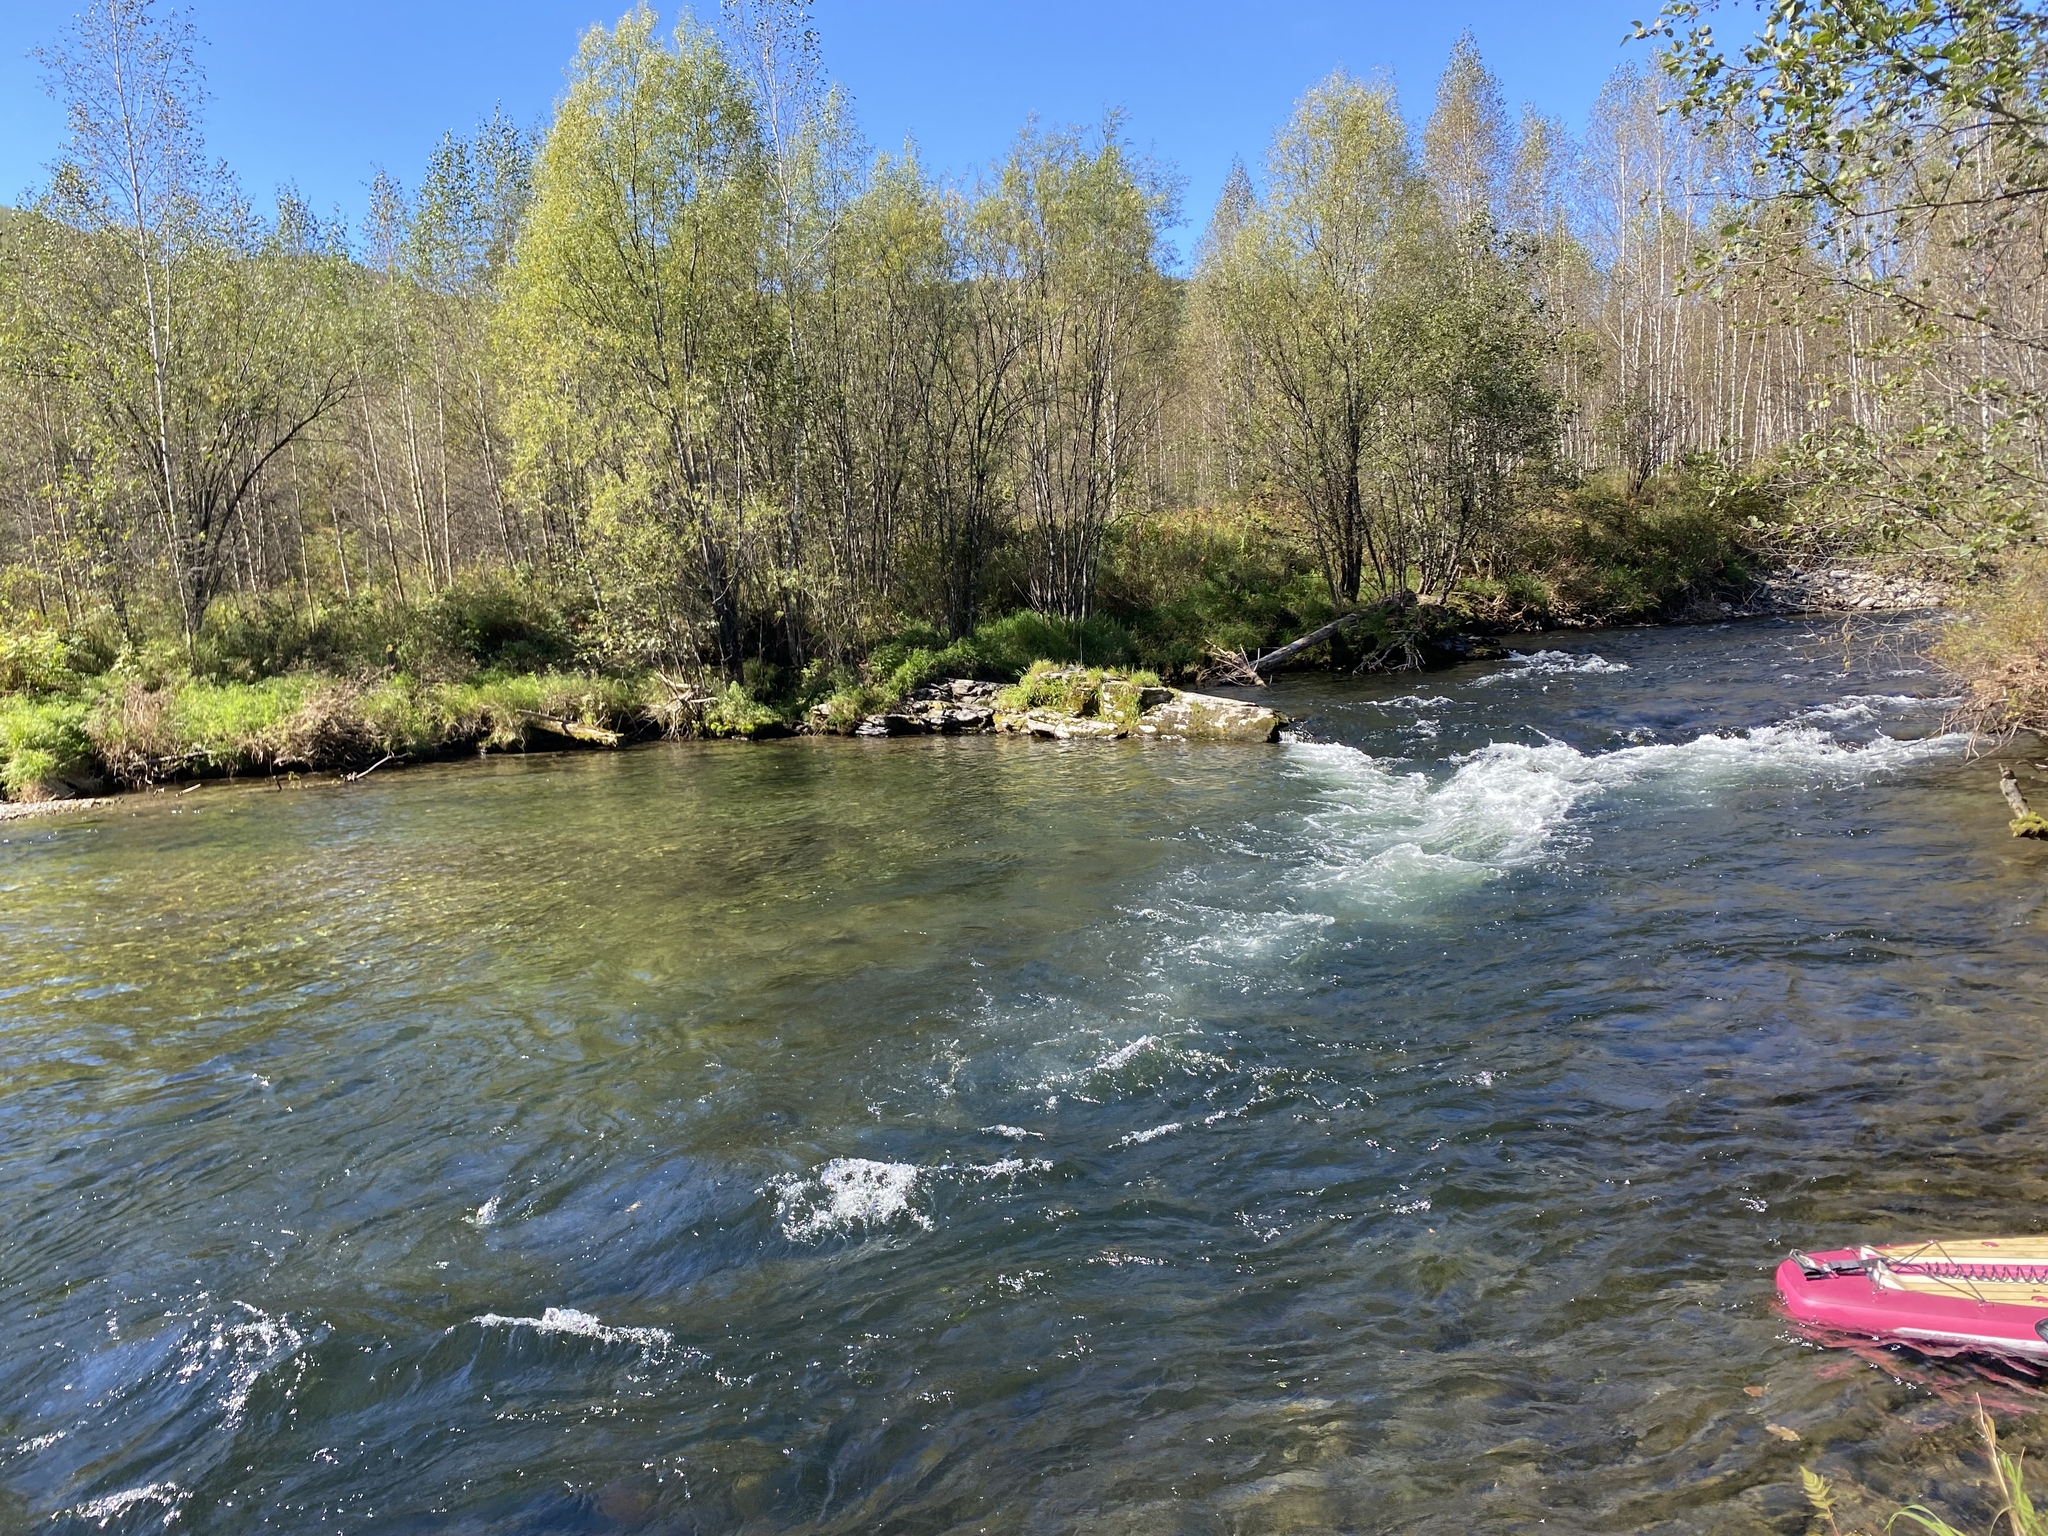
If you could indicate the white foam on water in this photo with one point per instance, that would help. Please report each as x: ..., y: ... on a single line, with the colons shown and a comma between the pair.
x: 1551, y: 664
x: 1862, y: 708
x: 1139, y: 1138
x: 1250, y: 936
x: 567, y: 1320
x: 1116, y: 1258
x: 244, y: 1351
x: 485, y: 1215
x: 1007, y: 1168
x: 846, y: 1193
x: 1154, y: 1050
x: 104, y: 1511
x: 1125, y: 1054
x: 1014, y: 1132
x: 1386, y: 836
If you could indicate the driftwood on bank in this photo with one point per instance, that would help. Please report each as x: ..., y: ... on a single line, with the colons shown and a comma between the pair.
x: 2025, y: 822
x: 1236, y: 667
x: 575, y: 730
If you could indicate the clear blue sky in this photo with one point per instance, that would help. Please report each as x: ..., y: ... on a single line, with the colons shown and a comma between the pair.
x: 325, y: 94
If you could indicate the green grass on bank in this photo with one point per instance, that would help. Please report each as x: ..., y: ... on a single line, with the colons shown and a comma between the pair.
x: 119, y: 731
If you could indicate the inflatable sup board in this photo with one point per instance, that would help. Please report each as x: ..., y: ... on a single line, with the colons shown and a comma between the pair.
x: 1989, y: 1294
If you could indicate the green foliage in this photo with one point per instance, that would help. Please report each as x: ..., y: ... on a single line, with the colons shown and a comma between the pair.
x: 1079, y: 222
x: 1200, y: 582
x: 736, y: 712
x: 1599, y: 554
x: 481, y: 622
x: 34, y: 661
x: 1820, y: 1494
x: 1009, y: 645
x: 1842, y: 97
x: 1087, y: 692
x: 638, y: 329
x: 2015, y: 1514
x: 43, y: 744
x: 145, y: 732
x: 897, y: 666
x: 1902, y: 146
x: 1382, y: 338
x: 140, y: 725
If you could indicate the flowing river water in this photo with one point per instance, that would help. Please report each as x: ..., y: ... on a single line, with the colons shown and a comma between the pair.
x: 1392, y: 1130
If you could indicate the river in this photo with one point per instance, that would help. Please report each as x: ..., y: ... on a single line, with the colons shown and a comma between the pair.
x: 1391, y: 1130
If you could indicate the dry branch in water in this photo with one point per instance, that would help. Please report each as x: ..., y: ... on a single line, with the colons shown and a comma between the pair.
x: 2025, y: 822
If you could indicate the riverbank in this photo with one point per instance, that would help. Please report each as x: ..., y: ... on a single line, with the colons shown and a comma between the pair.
x: 141, y: 742
x: 72, y: 725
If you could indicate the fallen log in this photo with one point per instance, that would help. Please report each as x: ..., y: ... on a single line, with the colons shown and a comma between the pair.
x: 574, y: 730
x: 2025, y: 822
x: 1393, y: 602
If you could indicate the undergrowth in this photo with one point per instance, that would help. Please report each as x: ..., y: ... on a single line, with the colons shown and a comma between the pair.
x: 1999, y: 648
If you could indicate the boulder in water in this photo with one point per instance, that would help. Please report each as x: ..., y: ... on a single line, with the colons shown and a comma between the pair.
x: 1072, y: 705
x: 1206, y: 717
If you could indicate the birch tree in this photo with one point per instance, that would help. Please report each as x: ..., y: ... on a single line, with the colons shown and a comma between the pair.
x: 203, y: 345
x: 639, y: 330
x: 1304, y: 290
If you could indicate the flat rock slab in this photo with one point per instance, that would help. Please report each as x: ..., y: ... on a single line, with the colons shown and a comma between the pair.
x: 1168, y: 714
x: 1205, y: 717
x: 1051, y: 725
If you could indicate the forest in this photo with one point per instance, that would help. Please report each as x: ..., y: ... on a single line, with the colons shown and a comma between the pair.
x: 691, y: 410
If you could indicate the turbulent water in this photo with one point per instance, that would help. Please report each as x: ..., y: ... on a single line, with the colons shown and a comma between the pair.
x: 1390, y: 1130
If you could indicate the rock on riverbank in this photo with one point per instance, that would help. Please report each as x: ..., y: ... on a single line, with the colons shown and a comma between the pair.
x: 1073, y: 706
x: 1843, y: 589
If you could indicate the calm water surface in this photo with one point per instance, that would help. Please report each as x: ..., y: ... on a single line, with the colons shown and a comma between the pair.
x: 1388, y: 1131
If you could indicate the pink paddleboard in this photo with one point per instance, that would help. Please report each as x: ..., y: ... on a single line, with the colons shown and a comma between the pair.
x: 1987, y: 1293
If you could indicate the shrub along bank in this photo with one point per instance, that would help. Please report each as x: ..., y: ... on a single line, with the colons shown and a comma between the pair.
x: 2000, y: 649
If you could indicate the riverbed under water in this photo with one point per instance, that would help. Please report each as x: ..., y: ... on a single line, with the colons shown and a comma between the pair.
x: 1391, y: 1130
